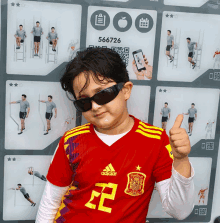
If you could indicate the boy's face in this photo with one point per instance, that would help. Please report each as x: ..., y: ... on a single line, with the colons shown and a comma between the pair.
x: 105, y: 116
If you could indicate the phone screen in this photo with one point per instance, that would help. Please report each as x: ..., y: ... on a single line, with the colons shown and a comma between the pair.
x: 138, y: 59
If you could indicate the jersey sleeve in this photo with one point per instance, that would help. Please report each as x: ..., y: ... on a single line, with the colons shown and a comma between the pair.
x: 163, y: 167
x: 54, y: 105
x: 28, y: 105
x: 195, y: 111
x: 16, y: 33
x: 60, y: 172
x: 188, y: 111
x: 169, y: 110
x: 18, y: 101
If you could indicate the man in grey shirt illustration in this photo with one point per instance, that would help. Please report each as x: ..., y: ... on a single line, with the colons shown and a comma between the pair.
x: 24, y: 110
x: 26, y: 195
x: 50, y: 105
x: 170, y: 45
x: 20, y: 35
x: 190, y: 46
x: 37, y: 32
x: 37, y: 174
x: 192, y: 112
x: 165, y: 112
x: 53, y: 37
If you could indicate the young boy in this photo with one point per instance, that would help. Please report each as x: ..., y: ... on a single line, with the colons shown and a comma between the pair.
x: 105, y: 171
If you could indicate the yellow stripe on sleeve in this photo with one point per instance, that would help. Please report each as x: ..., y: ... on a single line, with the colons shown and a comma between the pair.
x: 77, y: 129
x: 151, y: 127
x: 74, y: 134
x: 149, y: 130
x: 148, y: 135
x: 169, y: 148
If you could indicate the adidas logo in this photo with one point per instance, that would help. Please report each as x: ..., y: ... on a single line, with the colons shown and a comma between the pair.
x: 109, y: 171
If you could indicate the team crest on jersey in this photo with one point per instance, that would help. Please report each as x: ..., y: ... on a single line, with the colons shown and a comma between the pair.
x: 135, y: 184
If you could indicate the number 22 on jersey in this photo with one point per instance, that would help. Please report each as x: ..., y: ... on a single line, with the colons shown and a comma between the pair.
x: 103, y: 196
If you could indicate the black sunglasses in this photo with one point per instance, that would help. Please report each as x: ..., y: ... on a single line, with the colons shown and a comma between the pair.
x: 101, y: 98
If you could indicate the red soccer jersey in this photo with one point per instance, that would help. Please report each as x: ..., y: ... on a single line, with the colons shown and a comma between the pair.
x: 109, y: 183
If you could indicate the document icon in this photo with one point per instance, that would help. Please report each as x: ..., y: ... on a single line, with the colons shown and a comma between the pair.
x: 100, y: 20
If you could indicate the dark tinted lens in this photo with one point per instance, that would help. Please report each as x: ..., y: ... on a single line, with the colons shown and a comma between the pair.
x: 83, y: 105
x: 106, y: 95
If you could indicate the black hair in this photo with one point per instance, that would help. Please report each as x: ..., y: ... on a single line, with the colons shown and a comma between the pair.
x: 21, y: 25
x: 169, y: 30
x: 193, y: 104
x: 104, y: 64
x: 19, y: 184
x: 50, y: 96
x: 38, y: 22
x: 52, y: 27
x: 166, y: 103
x: 189, y: 39
x: 24, y: 95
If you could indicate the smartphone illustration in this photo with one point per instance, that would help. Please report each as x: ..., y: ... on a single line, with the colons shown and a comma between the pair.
x: 138, y: 58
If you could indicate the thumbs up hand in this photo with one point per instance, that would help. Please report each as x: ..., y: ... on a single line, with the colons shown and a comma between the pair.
x: 179, y: 139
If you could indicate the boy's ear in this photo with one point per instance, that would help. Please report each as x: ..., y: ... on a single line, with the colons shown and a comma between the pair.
x: 127, y: 90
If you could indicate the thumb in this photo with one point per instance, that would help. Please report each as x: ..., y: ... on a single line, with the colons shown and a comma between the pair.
x: 178, y: 121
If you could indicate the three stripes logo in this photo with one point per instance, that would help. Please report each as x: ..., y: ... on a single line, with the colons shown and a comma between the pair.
x: 109, y: 171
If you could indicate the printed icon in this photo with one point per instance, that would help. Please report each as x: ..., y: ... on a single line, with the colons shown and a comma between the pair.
x: 144, y: 23
x: 202, y: 211
x: 196, y: 211
x: 210, y: 146
x: 122, y: 23
x: 203, y: 145
x: 100, y: 20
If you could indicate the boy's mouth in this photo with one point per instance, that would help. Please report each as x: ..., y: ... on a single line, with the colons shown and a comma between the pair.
x: 100, y: 114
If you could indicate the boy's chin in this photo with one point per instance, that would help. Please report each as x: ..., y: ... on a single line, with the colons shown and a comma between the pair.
x: 103, y: 124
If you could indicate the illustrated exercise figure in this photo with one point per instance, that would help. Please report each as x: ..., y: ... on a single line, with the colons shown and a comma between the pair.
x: 26, y: 195
x: 37, y: 32
x: 208, y: 129
x: 217, y: 52
x: 192, y: 112
x: 24, y: 110
x: 53, y: 37
x: 202, y: 196
x: 72, y: 49
x: 170, y: 45
x: 191, y: 51
x: 139, y: 60
x: 216, y: 57
x: 49, y: 114
x: 36, y: 173
x: 165, y: 112
x: 20, y: 35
